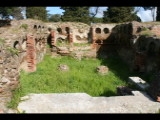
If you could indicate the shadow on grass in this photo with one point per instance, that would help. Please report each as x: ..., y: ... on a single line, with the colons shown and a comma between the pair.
x: 108, y: 93
x: 117, y: 66
x: 121, y: 69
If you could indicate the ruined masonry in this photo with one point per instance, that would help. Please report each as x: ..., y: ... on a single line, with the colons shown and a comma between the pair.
x: 23, y: 44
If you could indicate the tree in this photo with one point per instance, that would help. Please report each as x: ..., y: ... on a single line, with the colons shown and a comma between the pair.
x: 54, y: 18
x: 76, y: 14
x: 120, y: 14
x: 39, y: 13
x: 152, y: 11
x: 97, y: 20
x: 158, y: 14
x: 93, y: 12
x: 5, y: 12
x: 17, y: 13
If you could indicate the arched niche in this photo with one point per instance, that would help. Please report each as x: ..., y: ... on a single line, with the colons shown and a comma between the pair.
x: 98, y: 30
x: 98, y: 41
x: 59, y: 30
x: 106, y: 30
x: 16, y: 44
x: 35, y: 27
x: 67, y: 29
x: 39, y: 27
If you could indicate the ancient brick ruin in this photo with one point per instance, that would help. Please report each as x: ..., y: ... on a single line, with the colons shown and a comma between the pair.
x: 138, y: 44
x: 22, y: 46
x: 24, y: 43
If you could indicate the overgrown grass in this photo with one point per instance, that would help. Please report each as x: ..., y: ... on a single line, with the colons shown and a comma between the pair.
x: 81, y: 44
x: 81, y: 78
x: 147, y: 33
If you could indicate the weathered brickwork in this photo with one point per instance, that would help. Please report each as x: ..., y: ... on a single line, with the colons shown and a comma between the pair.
x: 24, y: 45
x: 31, y: 53
x: 138, y: 44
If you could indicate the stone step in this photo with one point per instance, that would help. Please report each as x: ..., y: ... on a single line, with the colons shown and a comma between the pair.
x: 83, y: 103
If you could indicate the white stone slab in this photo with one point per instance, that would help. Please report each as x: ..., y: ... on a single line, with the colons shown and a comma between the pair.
x: 143, y: 85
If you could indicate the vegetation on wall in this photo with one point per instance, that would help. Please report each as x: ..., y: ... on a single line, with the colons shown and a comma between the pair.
x: 24, y: 26
x: 13, y: 51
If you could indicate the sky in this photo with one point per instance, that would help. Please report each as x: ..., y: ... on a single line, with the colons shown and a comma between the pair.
x: 144, y: 15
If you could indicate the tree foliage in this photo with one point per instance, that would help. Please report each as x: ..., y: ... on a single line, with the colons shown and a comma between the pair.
x: 120, y: 14
x: 39, y: 13
x: 97, y: 20
x: 76, y: 14
x: 5, y: 12
x: 54, y: 18
x: 93, y: 12
x: 15, y: 12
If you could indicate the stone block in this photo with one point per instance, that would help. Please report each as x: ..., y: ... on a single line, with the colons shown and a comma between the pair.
x: 141, y: 84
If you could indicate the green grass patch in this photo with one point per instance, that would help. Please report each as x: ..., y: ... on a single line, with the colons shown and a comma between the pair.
x: 81, y: 44
x: 81, y: 77
x: 24, y: 26
x: 147, y: 33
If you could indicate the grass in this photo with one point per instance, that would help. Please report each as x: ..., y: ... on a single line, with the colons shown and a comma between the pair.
x: 81, y: 44
x: 147, y: 33
x: 62, y: 43
x: 82, y: 77
x: 25, y: 26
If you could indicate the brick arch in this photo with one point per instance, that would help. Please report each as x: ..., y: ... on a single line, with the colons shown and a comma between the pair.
x: 99, y: 41
x: 39, y: 27
x: 98, y: 30
x: 49, y: 29
x: 67, y: 29
x: 59, y: 30
x: 106, y: 30
x: 35, y: 27
x: 16, y: 43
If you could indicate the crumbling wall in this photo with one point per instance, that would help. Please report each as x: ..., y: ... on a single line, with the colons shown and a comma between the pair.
x: 138, y: 44
x: 99, y: 33
x: 71, y: 32
x: 22, y: 46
